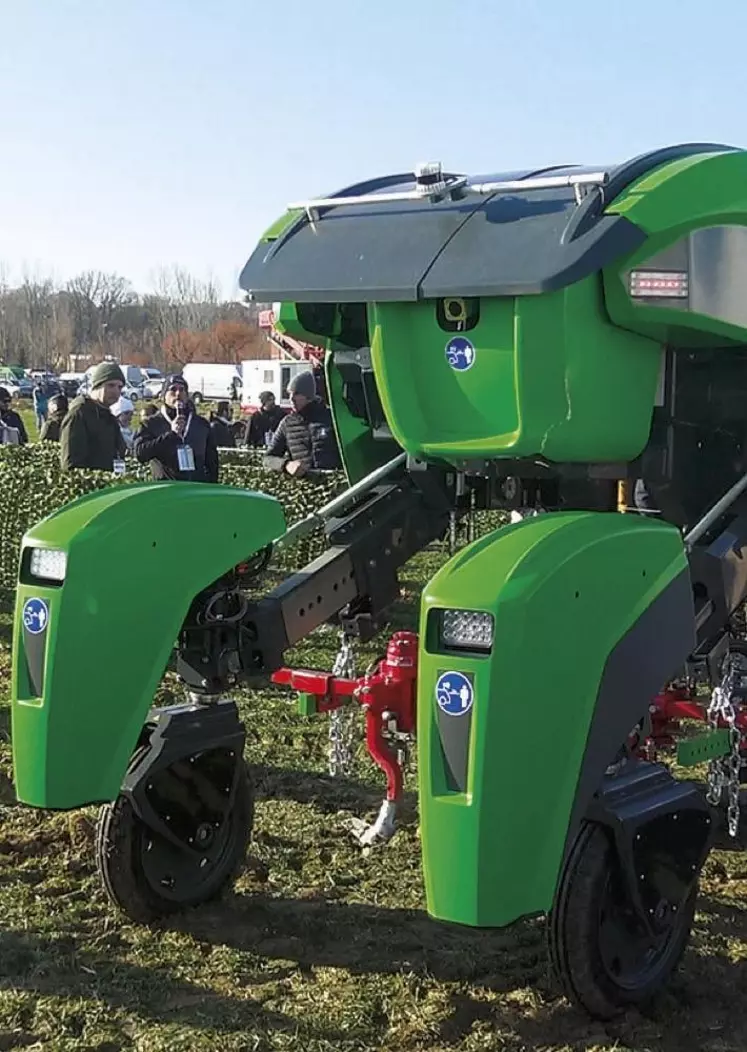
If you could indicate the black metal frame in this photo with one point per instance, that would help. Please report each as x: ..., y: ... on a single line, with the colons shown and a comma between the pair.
x: 179, y: 732
x: 353, y: 582
x: 662, y: 830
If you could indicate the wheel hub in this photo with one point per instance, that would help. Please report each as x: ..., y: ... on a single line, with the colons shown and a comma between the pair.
x: 204, y: 835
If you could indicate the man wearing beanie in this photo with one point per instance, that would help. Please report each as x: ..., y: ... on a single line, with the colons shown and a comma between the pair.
x: 90, y: 436
x: 177, y: 442
x: 305, y: 439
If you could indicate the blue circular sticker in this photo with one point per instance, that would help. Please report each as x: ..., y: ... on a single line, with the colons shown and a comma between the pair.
x: 35, y: 616
x: 460, y: 354
x: 454, y: 694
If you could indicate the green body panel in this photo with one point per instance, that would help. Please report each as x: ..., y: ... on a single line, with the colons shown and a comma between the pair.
x: 137, y: 555
x: 286, y: 322
x: 543, y: 367
x: 564, y: 589
x: 704, y: 747
x: 278, y: 228
x: 698, y: 192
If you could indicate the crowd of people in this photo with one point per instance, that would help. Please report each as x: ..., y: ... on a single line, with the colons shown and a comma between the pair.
x: 96, y: 430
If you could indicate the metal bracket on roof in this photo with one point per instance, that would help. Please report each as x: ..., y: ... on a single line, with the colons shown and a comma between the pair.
x: 431, y: 185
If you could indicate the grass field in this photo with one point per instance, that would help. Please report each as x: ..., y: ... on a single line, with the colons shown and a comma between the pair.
x: 320, y: 947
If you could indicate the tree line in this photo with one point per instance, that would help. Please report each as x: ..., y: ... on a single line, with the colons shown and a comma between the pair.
x: 96, y: 315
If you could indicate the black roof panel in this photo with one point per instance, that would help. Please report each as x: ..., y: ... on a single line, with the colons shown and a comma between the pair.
x: 499, y: 244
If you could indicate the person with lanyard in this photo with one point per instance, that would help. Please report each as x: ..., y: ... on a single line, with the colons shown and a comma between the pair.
x: 177, y: 442
x: 90, y: 437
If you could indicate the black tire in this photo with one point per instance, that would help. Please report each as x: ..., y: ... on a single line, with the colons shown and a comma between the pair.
x: 590, y: 886
x: 123, y: 841
x: 196, y: 398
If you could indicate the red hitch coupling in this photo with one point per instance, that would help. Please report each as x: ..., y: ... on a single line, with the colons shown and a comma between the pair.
x: 387, y: 696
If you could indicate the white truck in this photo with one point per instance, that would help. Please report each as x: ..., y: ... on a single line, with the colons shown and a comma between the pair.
x: 210, y: 382
x: 268, y: 374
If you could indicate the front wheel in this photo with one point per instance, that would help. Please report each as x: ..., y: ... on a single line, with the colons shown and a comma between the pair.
x: 196, y: 398
x: 600, y: 953
x: 149, y: 876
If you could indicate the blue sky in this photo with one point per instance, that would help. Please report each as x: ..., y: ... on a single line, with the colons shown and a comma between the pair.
x: 142, y: 133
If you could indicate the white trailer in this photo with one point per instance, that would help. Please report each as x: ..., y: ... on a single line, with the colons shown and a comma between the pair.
x: 210, y: 382
x: 268, y: 374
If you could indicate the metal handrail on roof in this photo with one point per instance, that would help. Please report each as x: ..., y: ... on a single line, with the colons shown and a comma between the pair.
x: 430, y: 185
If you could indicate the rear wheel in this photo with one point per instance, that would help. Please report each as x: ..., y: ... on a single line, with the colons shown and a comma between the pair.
x: 196, y: 398
x: 605, y: 960
x: 208, y: 803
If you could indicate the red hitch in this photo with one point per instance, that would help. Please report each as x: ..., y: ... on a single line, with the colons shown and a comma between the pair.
x: 388, y: 698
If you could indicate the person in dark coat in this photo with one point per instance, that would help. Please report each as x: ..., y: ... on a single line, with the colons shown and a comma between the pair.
x: 305, y: 441
x: 10, y: 422
x: 90, y: 437
x: 264, y: 423
x: 177, y: 442
x: 58, y: 407
x: 220, y: 425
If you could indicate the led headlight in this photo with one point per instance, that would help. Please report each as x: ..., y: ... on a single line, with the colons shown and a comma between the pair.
x: 49, y: 564
x: 467, y: 629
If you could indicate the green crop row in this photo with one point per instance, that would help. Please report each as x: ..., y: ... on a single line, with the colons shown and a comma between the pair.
x: 32, y: 486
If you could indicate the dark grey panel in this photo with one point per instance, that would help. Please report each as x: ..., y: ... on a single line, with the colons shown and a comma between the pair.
x: 651, y: 653
x: 715, y: 260
x: 454, y: 733
x: 500, y: 247
x: 34, y: 646
x: 369, y: 253
x: 509, y: 249
x: 718, y: 273
x: 355, y: 254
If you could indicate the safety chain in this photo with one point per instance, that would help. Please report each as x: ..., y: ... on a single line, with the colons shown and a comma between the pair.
x: 723, y: 773
x: 342, y: 721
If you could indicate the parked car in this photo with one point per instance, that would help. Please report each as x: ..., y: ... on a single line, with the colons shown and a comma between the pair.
x: 153, y: 384
x: 15, y: 383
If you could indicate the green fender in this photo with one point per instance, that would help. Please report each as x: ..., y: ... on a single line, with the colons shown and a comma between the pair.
x: 592, y: 613
x: 89, y: 652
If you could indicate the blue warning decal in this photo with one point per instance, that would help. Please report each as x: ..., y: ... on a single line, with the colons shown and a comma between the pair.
x: 454, y: 693
x: 460, y: 353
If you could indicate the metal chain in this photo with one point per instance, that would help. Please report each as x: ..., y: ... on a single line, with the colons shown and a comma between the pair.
x: 342, y: 721
x: 724, y: 772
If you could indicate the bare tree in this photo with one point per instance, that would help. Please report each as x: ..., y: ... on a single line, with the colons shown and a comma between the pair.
x: 95, y: 297
x: 183, y: 302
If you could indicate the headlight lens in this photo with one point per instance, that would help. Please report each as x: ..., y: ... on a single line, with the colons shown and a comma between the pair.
x: 467, y: 629
x: 48, y: 563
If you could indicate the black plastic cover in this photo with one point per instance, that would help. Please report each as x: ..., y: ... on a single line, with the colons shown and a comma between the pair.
x: 501, y: 244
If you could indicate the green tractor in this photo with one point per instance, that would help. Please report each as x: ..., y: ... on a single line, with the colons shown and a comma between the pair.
x: 568, y: 344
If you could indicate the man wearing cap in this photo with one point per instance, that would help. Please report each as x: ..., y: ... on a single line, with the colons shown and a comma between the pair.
x: 305, y: 439
x: 12, y: 431
x: 90, y: 436
x: 178, y: 442
x: 264, y: 423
